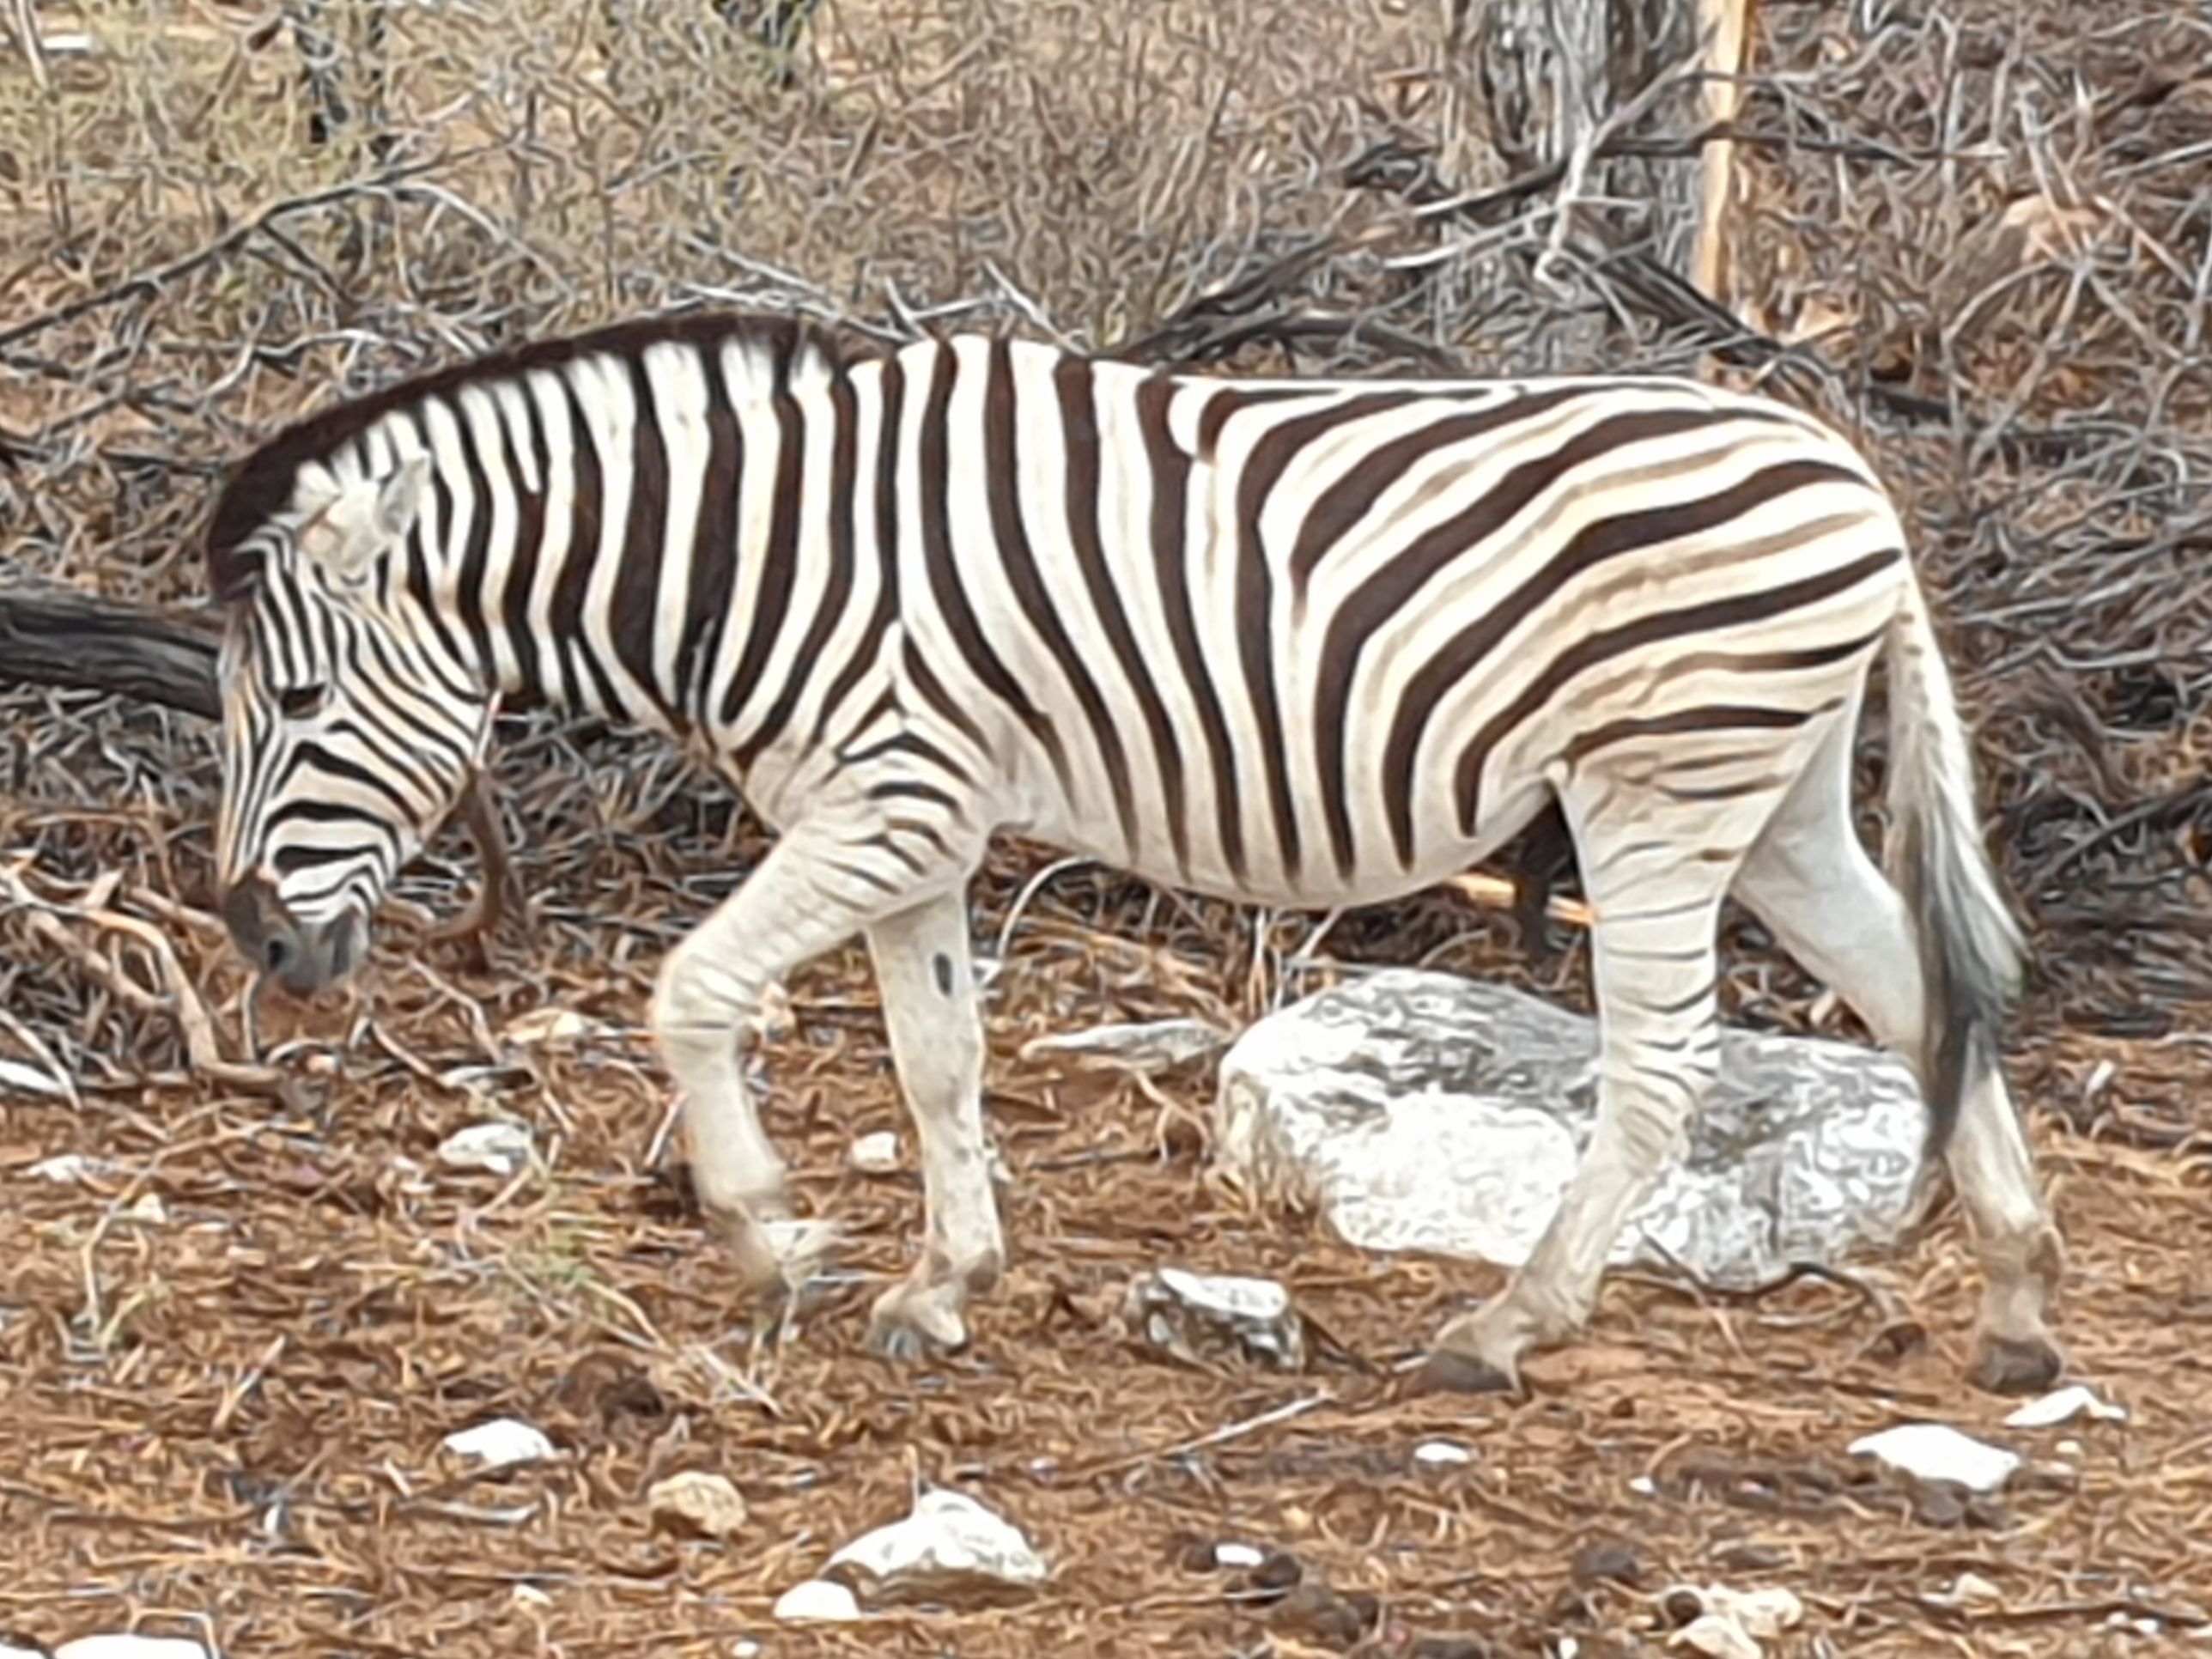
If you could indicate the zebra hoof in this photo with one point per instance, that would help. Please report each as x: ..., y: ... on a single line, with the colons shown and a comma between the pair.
x: 1447, y: 1371
x: 2014, y: 1365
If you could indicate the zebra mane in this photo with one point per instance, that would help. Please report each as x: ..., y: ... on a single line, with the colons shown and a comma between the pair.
x: 261, y: 485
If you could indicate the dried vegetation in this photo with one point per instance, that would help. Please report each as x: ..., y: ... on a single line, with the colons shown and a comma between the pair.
x: 1978, y: 235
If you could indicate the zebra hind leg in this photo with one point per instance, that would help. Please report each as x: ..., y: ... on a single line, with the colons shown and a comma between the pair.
x: 1808, y: 878
x: 813, y: 890
x: 1656, y: 866
x: 929, y: 988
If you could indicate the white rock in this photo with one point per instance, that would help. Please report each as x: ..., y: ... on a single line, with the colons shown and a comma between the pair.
x: 1442, y: 1454
x: 553, y: 1024
x: 817, y: 1602
x: 64, y: 1168
x: 950, y: 1547
x: 502, y: 1441
x: 1732, y: 1623
x: 697, y: 1501
x: 1971, y: 1589
x: 1765, y: 1611
x: 1420, y: 1111
x: 1934, y: 1451
x: 149, y: 1208
x: 131, y: 1647
x: 1243, y: 1557
x: 1718, y: 1635
x: 875, y: 1154
x: 1210, y: 1317
x: 746, y: 1648
x: 500, y: 1146
x: 2064, y: 1406
x: 1146, y: 1046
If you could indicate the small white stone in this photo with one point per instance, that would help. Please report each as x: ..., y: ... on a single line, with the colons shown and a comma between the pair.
x: 1718, y: 1635
x: 1971, y: 1589
x: 1731, y: 1617
x: 1201, y: 1315
x: 745, y: 1648
x: 552, y: 1025
x: 2064, y: 1406
x: 149, y: 1208
x: 502, y: 1441
x: 1644, y: 1487
x: 1762, y: 1613
x: 1441, y: 1453
x: 948, y: 1537
x: 817, y: 1600
x: 131, y: 1647
x: 64, y: 1168
x: 500, y: 1146
x: 875, y: 1154
x: 1934, y: 1451
x: 697, y: 1501
x: 1243, y: 1557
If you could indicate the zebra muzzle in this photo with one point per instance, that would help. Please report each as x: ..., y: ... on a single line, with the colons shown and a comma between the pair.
x: 303, y: 957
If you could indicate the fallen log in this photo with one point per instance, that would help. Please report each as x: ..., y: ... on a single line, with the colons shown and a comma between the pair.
x: 72, y: 641
x: 57, y: 636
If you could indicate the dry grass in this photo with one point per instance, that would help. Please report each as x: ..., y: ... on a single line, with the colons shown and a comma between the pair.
x: 231, y: 1413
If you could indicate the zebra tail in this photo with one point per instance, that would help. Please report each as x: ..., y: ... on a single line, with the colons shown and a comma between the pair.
x: 1973, y: 956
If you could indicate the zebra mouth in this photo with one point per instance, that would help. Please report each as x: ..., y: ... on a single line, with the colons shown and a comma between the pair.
x: 302, y: 957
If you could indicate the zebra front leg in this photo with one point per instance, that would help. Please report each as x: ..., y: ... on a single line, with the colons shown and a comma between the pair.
x: 1655, y: 969
x: 928, y: 987
x: 805, y: 897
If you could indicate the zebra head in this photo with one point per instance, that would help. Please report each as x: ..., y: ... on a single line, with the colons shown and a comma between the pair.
x: 349, y: 727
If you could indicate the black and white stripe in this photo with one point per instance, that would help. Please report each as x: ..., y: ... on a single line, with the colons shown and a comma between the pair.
x: 1310, y: 643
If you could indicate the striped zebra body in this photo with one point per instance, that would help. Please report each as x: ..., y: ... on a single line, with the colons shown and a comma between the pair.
x: 1308, y: 643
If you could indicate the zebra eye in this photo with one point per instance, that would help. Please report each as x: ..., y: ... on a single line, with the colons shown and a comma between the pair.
x: 302, y: 702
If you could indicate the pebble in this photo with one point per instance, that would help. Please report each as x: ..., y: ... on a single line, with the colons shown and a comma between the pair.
x: 819, y: 1601
x: 501, y: 1442
x: 696, y: 1501
x: 1934, y: 1452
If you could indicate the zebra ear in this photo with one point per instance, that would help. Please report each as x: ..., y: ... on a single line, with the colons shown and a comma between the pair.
x: 399, y: 497
x: 351, y: 525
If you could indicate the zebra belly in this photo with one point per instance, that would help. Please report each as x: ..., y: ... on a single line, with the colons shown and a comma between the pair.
x: 1316, y: 885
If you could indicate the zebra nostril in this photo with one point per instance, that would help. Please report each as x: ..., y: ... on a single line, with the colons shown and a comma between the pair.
x: 276, y: 951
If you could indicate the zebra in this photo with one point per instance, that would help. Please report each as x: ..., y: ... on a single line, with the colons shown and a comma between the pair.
x: 1301, y: 642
